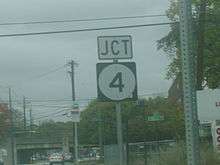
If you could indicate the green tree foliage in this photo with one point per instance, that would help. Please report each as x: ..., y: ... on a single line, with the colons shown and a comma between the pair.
x: 98, y: 115
x: 171, y: 42
x: 11, y: 121
x: 53, y: 130
x: 135, y: 126
x: 5, y: 122
x: 99, y: 119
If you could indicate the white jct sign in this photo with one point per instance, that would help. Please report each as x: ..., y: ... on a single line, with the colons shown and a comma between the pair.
x: 114, y: 47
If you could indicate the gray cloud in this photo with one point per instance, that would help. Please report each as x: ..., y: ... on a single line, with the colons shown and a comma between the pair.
x: 23, y: 58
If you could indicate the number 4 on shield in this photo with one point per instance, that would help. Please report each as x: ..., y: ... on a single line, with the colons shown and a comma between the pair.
x: 117, y: 82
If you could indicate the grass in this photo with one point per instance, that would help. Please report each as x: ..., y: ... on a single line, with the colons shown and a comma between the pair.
x: 177, y: 156
x: 208, y: 156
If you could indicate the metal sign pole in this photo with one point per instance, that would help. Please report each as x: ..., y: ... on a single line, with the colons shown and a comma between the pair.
x: 188, y: 77
x: 119, y: 129
x: 76, y: 142
x: 119, y: 132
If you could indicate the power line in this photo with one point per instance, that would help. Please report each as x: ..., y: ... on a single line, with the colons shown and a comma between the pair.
x: 61, y: 100
x: 56, y: 106
x: 43, y: 102
x: 49, y: 72
x: 51, y: 100
x: 51, y: 106
x: 49, y: 115
x: 46, y: 116
x: 80, y: 20
x: 85, y: 30
x: 51, y: 112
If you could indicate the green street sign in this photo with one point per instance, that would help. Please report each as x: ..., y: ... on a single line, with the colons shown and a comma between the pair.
x: 155, y: 117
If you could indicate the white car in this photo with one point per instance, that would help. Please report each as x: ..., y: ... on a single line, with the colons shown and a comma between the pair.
x: 56, y: 158
x: 67, y: 156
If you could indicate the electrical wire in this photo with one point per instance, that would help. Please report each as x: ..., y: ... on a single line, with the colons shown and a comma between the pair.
x: 57, y: 106
x: 61, y: 100
x: 80, y: 20
x: 46, y: 108
x: 51, y: 106
x: 51, y: 100
x: 49, y: 115
x: 85, y: 30
x: 49, y: 112
x: 49, y: 72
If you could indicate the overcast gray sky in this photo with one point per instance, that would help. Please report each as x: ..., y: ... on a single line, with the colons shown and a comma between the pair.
x: 24, y: 58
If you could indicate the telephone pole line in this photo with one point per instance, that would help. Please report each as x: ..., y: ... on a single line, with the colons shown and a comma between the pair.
x: 100, y: 122
x: 13, y: 149
x: 72, y: 63
x: 75, y: 130
x: 31, y: 118
x: 24, y: 111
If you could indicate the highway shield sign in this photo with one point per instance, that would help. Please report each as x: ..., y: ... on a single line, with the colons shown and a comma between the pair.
x: 116, y: 81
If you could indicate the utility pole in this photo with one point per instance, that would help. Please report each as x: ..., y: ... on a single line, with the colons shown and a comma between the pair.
x: 75, y: 130
x: 13, y: 152
x: 72, y: 63
x: 100, y: 133
x: 31, y: 118
x: 24, y: 111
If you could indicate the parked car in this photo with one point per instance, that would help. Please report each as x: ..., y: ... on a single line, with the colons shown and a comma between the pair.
x: 56, y: 158
x: 67, y: 156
